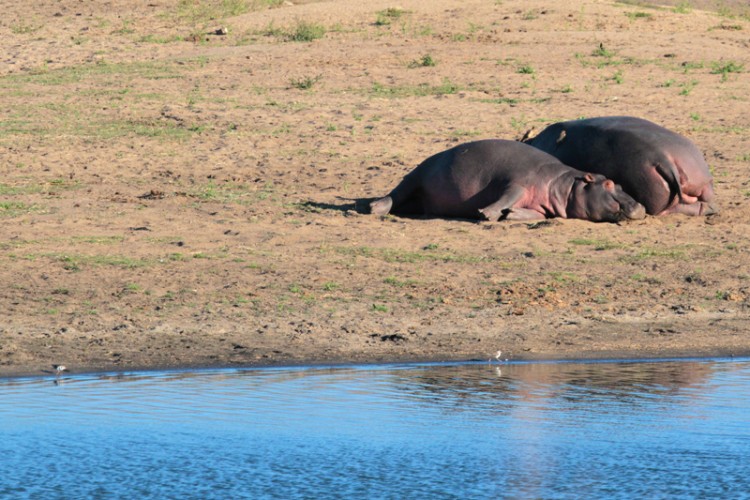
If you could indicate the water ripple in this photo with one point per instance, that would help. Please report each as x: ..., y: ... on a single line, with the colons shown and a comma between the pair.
x: 565, y: 430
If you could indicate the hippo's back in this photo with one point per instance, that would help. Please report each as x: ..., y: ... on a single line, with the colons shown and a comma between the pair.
x: 465, y: 178
x: 653, y: 164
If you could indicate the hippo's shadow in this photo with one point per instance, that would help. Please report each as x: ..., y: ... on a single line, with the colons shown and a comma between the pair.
x: 315, y: 206
x: 362, y: 206
x: 359, y: 205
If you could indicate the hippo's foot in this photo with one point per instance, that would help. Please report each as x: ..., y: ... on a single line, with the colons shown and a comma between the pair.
x: 709, y: 208
x: 491, y: 214
x: 381, y: 206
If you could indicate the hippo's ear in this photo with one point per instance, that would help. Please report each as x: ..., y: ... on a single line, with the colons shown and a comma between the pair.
x: 588, y: 178
x: 609, y: 185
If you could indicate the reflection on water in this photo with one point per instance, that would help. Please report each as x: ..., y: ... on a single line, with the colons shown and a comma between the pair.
x: 551, y: 430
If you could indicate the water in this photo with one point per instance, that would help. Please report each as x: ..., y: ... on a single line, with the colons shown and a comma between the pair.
x: 565, y: 430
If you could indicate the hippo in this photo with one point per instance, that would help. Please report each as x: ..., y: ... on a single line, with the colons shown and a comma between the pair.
x: 497, y: 179
x: 662, y: 170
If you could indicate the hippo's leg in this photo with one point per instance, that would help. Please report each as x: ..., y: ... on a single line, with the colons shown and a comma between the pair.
x: 523, y: 214
x: 494, y: 211
x: 403, y: 198
x: 698, y: 208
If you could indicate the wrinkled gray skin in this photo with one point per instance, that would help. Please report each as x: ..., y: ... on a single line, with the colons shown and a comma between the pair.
x: 659, y: 168
x: 497, y: 179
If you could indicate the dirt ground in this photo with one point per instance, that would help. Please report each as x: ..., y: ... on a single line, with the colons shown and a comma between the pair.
x: 180, y: 182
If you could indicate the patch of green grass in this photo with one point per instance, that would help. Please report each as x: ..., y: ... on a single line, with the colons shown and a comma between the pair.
x: 724, y: 69
x: 393, y: 281
x: 305, y: 83
x: 642, y: 278
x: 405, y: 256
x: 24, y: 29
x: 58, y: 184
x: 201, y: 12
x: 466, y: 133
x: 682, y: 8
x: 650, y: 253
x: 598, y: 244
x: 690, y: 65
x: 526, y: 70
x: 231, y: 192
x: 380, y: 308
x: 210, y: 256
x: 75, y: 122
x: 424, y: 62
x: 150, y: 38
x: 306, y: 32
x: 117, y: 71
x: 330, y: 286
x: 688, y: 87
x: 501, y: 100
x: 10, y: 209
x: 601, y: 51
x: 97, y: 240
x: 638, y: 15
x: 522, y: 122
x: 264, y: 4
x: 564, y: 277
x: 386, y: 16
x: 74, y: 262
x: 447, y: 87
x: 146, y: 128
x: 722, y: 295
x: 618, y: 78
x: 728, y: 27
x: 602, y: 57
x: 125, y: 29
x: 303, y: 31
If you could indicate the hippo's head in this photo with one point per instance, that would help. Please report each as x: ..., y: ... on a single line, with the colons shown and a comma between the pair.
x: 598, y: 199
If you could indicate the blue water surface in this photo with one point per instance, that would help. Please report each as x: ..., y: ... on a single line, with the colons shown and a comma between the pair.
x: 672, y: 429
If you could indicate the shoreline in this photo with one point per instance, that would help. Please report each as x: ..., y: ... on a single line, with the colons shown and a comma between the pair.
x: 658, y: 354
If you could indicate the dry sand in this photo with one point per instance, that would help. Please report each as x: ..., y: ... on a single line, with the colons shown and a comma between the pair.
x: 174, y: 198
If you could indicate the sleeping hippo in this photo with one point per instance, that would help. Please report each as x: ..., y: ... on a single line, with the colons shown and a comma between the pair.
x: 659, y: 168
x: 498, y: 179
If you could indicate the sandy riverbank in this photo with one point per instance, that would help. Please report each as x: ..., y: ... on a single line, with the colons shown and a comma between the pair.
x: 175, y: 198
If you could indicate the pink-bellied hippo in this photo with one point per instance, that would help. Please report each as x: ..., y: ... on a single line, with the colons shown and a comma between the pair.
x: 499, y: 179
x: 659, y: 168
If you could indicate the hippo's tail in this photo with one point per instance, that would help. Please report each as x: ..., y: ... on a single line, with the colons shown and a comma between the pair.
x: 674, y: 178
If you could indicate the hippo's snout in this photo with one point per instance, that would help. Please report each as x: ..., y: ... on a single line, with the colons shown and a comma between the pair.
x: 637, y: 212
